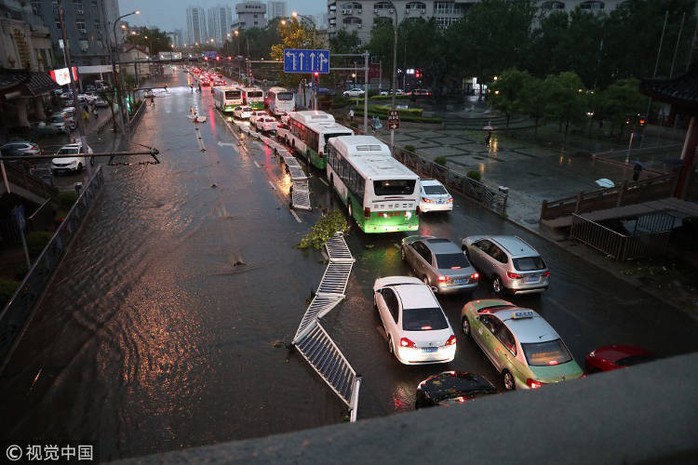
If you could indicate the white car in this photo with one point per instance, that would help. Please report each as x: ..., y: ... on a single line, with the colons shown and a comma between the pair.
x: 433, y: 197
x: 75, y: 163
x: 256, y: 114
x: 355, y: 92
x: 265, y: 124
x: 242, y: 112
x: 417, y: 329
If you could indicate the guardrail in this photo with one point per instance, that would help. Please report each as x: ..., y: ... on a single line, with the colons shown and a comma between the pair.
x: 16, y: 312
x: 487, y: 197
x: 616, y: 245
x: 628, y: 193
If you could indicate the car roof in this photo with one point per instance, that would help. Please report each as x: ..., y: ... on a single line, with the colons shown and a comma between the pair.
x: 430, y: 182
x: 440, y: 245
x: 516, y: 246
x: 526, y: 324
x: 415, y: 295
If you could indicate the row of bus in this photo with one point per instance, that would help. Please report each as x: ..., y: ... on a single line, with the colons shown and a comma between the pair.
x: 277, y: 99
x: 380, y: 193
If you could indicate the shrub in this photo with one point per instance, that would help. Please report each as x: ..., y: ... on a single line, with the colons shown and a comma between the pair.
x: 440, y: 160
x: 326, y: 227
x: 410, y: 148
x: 36, y: 241
x: 474, y: 175
x: 67, y: 199
x: 7, y: 288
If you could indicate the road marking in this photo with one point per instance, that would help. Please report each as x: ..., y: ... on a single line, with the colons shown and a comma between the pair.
x: 257, y: 165
x: 272, y: 185
x: 324, y: 182
x: 224, y: 144
x: 296, y: 216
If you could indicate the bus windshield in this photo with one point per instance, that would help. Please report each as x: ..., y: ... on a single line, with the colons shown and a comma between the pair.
x: 255, y: 94
x: 394, y: 187
x: 231, y: 94
x: 285, y: 96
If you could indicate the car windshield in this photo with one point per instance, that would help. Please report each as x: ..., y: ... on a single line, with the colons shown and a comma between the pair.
x: 423, y: 319
x: 453, y: 261
x: 546, y: 353
x: 435, y: 190
x: 529, y: 263
x: 68, y: 151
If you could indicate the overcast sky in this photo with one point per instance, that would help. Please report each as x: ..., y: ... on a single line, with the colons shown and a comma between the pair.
x: 172, y: 14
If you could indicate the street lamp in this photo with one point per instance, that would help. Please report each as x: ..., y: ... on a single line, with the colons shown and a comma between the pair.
x: 309, y: 19
x: 117, y: 81
x: 394, y: 80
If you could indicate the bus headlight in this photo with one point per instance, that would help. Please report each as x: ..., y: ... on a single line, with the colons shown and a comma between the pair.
x: 408, y: 215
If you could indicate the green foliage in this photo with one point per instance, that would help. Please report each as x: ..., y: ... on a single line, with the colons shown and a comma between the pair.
x: 506, y: 93
x: 474, y: 175
x: 7, y: 288
x: 620, y: 100
x: 440, y: 160
x: 410, y: 148
x: 564, y: 97
x: 67, y: 199
x: 36, y: 241
x: 153, y: 39
x: 326, y: 227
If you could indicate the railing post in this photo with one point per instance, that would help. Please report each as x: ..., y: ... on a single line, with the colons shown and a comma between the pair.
x: 621, y: 191
x: 579, y: 202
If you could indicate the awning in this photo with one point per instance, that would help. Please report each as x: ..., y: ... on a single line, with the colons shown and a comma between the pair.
x: 680, y: 92
x: 16, y: 83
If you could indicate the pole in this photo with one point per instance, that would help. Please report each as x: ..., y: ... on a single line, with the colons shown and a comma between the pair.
x: 676, y: 49
x: 366, y: 91
x: 394, y: 80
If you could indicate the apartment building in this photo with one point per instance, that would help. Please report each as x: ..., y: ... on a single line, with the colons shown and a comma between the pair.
x: 197, y: 32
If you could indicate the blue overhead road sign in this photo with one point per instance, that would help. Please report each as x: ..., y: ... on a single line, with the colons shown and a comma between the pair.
x: 306, y: 61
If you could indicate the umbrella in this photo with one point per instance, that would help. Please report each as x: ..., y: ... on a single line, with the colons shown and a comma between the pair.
x: 488, y: 127
x: 605, y: 182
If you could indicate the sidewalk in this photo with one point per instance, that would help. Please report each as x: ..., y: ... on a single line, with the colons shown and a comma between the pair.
x: 535, y: 172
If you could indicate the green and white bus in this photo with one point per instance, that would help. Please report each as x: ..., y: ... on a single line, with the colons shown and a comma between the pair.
x: 308, y: 133
x: 227, y: 98
x: 253, y: 97
x: 381, y: 194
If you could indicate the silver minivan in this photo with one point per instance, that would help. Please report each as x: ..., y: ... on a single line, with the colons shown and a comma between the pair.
x: 509, y: 262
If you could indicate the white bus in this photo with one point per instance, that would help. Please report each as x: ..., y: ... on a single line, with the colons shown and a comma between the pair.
x: 381, y: 194
x: 227, y: 98
x: 308, y: 133
x: 280, y: 100
x: 253, y: 97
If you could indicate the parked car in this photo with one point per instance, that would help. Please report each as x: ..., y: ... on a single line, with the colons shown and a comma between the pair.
x: 614, y: 357
x: 509, y: 262
x: 433, y: 196
x: 390, y: 92
x: 75, y: 163
x: 521, y: 345
x: 326, y: 91
x: 421, y: 92
x: 60, y: 123
x: 101, y: 103
x: 148, y: 93
x: 452, y: 387
x: 439, y: 263
x: 415, y: 325
x: 265, y: 124
x: 354, y: 92
x: 242, y: 112
x: 19, y: 148
x: 282, y: 130
x: 256, y: 114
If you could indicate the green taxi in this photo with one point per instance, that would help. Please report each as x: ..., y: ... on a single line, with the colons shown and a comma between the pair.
x: 521, y: 345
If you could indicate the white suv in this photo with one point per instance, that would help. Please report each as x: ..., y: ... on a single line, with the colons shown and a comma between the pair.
x: 75, y: 163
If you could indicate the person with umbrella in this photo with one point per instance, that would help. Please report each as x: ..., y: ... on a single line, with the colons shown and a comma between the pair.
x: 637, y: 170
x: 489, y: 128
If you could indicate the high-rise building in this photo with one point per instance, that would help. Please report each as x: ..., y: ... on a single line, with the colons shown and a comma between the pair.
x: 276, y: 9
x: 196, y: 26
x: 88, y: 27
x: 220, y: 20
x: 251, y: 14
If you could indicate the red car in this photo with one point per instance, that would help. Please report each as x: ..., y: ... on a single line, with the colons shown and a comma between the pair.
x: 613, y: 357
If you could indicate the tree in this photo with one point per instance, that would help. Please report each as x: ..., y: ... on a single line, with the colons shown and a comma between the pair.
x: 620, y: 103
x: 293, y: 33
x: 507, y: 92
x: 533, y: 100
x: 154, y: 40
x: 564, y: 94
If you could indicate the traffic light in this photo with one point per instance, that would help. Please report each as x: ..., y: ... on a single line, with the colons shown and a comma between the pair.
x: 218, y: 58
x: 316, y: 77
x: 417, y: 74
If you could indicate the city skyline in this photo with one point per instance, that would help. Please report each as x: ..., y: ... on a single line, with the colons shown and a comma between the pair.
x: 169, y: 15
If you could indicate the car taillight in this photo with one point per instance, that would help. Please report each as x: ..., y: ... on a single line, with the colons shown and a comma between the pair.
x: 444, y: 279
x: 475, y: 276
x: 451, y: 340
x: 450, y: 200
x: 404, y: 342
x: 427, y: 200
x: 511, y: 275
x: 367, y: 212
x: 534, y: 384
x: 546, y: 274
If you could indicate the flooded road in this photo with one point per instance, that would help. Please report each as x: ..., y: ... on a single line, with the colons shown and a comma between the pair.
x: 164, y: 327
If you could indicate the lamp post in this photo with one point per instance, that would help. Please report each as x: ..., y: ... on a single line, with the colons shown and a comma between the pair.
x: 394, y: 79
x: 117, y: 81
x: 295, y: 15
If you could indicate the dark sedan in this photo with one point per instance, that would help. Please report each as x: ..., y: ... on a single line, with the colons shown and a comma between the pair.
x: 452, y: 387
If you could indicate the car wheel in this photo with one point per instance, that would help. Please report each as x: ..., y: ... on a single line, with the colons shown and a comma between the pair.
x: 465, y: 326
x: 79, y: 167
x: 497, y: 285
x: 508, y: 379
x: 390, y: 345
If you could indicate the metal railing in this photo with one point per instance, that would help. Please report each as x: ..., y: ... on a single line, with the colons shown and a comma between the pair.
x: 620, y: 246
x: 495, y: 200
x: 14, y: 315
x: 311, y: 339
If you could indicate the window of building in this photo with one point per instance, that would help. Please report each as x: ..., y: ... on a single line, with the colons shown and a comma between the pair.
x: 553, y: 5
x: 592, y: 5
x: 352, y: 21
x: 417, y: 7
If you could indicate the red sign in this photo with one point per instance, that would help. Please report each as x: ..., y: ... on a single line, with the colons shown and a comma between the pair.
x: 62, y: 77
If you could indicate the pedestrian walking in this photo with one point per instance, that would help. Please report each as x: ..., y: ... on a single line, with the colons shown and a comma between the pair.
x: 351, y: 115
x: 166, y: 88
x: 637, y: 170
x: 488, y: 137
x: 199, y: 87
